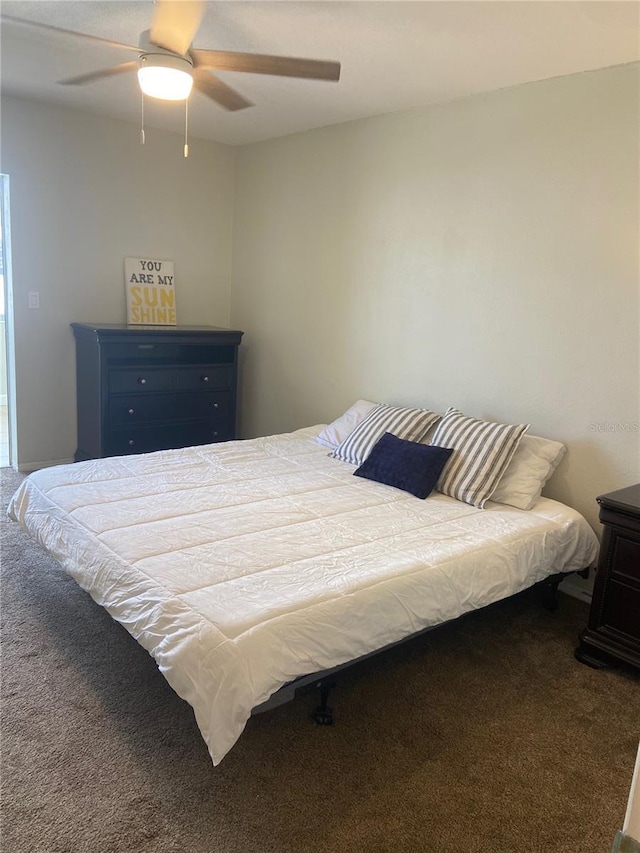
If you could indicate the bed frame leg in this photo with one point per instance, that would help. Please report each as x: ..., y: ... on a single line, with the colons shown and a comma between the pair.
x: 323, y: 714
x: 551, y: 584
x: 550, y: 591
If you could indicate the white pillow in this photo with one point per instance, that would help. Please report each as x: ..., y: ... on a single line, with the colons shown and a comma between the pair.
x: 336, y: 432
x: 531, y: 466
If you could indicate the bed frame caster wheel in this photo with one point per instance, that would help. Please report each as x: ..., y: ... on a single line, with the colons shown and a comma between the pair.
x: 323, y: 716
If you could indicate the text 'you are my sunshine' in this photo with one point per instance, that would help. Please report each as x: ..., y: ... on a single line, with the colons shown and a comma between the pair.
x: 151, y: 292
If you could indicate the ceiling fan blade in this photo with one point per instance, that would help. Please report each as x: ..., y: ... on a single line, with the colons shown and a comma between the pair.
x: 175, y: 23
x: 258, y: 63
x: 219, y: 92
x: 69, y: 32
x: 98, y: 75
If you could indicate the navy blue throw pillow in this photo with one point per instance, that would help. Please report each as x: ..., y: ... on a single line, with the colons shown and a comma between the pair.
x: 407, y: 465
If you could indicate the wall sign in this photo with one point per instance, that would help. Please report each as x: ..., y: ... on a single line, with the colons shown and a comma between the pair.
x: 151, y: 294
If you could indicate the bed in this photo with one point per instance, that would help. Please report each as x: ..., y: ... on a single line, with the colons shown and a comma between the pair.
x: 243, y: 566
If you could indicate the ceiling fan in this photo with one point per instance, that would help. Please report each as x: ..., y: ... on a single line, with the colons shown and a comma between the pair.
x: 168, y: 66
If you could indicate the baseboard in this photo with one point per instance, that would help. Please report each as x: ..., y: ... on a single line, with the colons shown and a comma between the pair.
x: 571, y: 588
x: 29, y: 467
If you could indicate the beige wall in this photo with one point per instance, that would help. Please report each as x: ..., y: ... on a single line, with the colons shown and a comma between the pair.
x: 85, y: 195
x: 481, y: 253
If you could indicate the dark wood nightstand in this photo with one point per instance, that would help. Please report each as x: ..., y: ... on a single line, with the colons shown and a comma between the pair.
x: 613, y: 633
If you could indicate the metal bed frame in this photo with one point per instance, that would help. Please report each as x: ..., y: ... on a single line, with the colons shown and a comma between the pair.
x: 325, y: 680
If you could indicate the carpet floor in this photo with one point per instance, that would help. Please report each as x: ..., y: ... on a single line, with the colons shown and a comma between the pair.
x: 486, y: 736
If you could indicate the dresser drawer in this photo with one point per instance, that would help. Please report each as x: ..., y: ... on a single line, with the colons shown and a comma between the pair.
x: 202, y: 378
x: 214, y: 405
x: 168, y: 352
x: 140, y: 408
x: 621, y: 610
x: 120, y: 442
x: 625, y: 559
x: 140, y: 380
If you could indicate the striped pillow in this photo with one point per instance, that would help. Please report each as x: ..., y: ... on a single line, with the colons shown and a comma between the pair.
x: 411, y: 424
x: 482, y: 451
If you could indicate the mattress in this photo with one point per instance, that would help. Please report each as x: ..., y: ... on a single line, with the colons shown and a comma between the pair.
x: 243, y: 565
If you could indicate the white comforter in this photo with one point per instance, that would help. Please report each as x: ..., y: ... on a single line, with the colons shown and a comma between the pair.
x: 241, y: 566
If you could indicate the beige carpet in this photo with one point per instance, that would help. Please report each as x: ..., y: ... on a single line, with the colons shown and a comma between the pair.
x: 486, y: 737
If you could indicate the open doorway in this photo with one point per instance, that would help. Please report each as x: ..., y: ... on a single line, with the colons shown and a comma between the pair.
x: 5, y: 330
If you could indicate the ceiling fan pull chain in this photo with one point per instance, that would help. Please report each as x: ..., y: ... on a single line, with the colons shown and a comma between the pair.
x: 186, y: 127
x: 141, y: 117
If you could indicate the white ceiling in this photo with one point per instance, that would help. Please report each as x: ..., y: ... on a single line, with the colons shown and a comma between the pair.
x: 394, y: 54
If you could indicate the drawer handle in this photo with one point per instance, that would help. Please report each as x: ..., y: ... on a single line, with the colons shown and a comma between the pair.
x: 142, y: 380
x: 204, y: 378
x: 131, y: 411
x: 215, y: 405
x: 214, y: 433
x: 131, y: 442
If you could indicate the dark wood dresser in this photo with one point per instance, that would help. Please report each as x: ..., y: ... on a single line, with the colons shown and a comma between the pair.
x: 613, y: 633
x: 144, y: 388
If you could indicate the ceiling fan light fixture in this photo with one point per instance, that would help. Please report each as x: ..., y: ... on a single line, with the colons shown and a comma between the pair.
x: 166, y: 77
